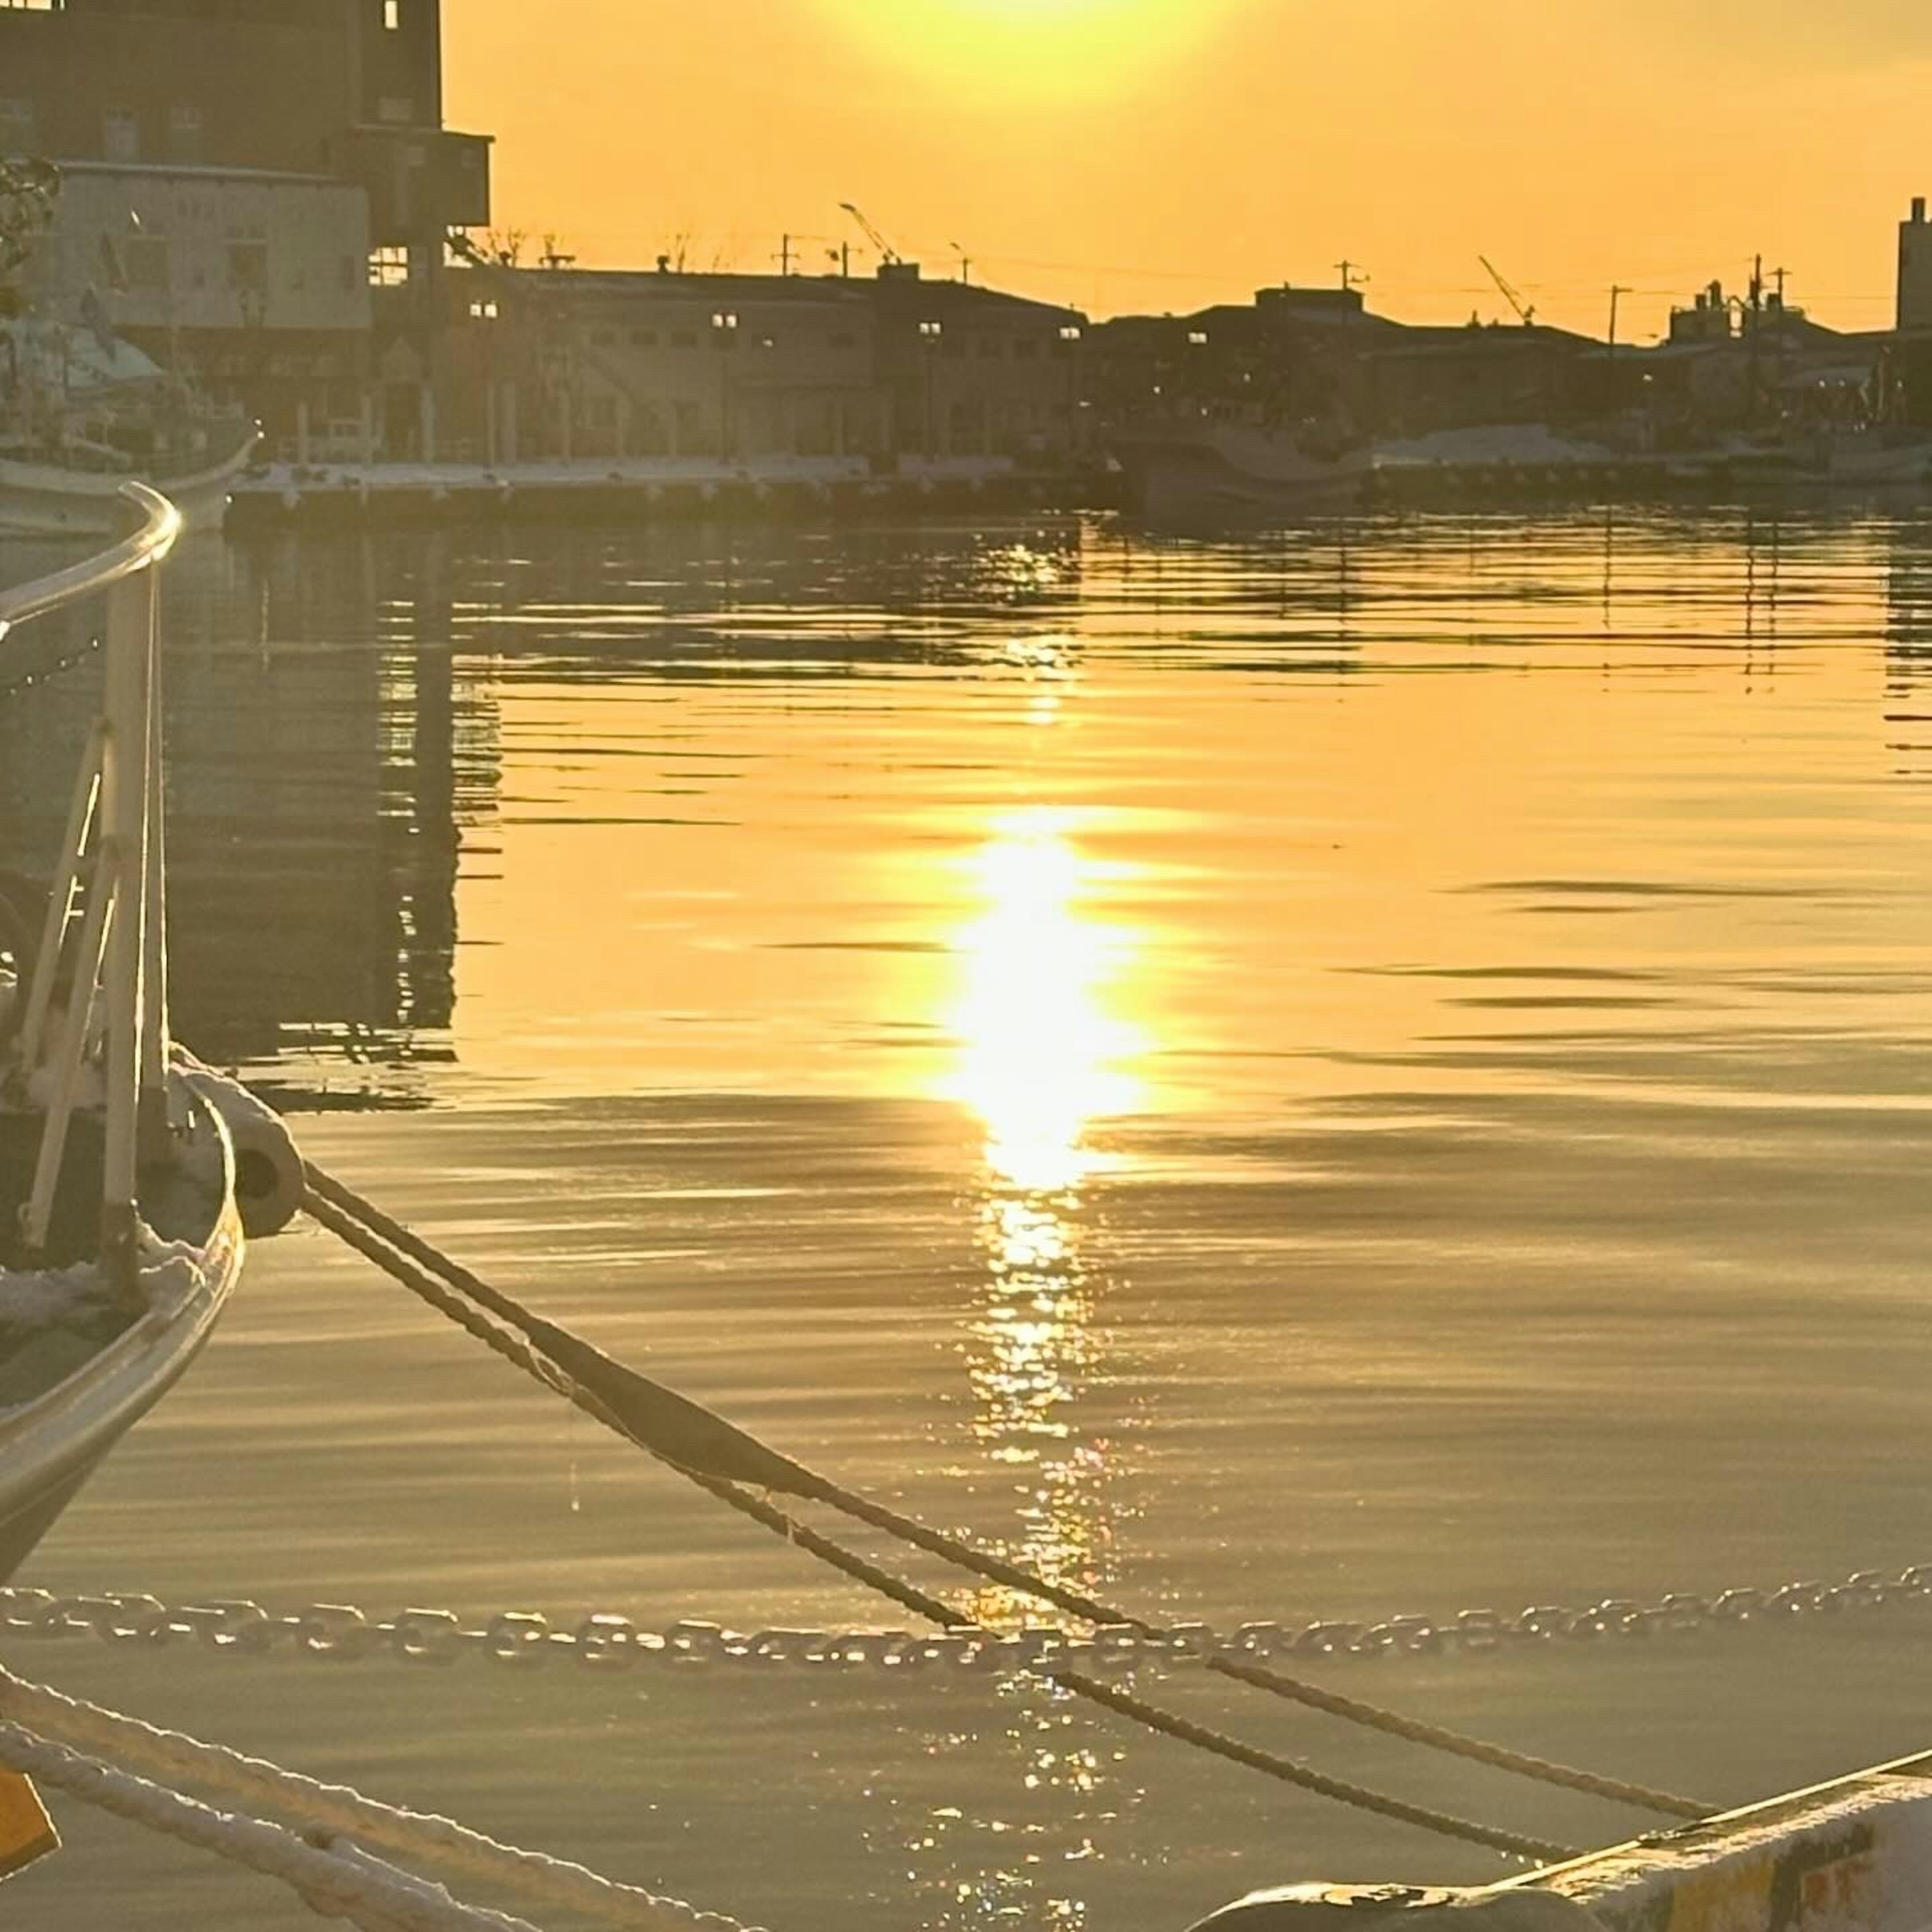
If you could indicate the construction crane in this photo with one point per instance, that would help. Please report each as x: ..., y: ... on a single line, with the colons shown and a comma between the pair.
x: 1525, y: 313
x: 888, y: 254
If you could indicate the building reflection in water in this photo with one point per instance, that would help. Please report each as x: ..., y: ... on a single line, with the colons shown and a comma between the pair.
x: 324, y: 755
x: 1908, y: 649
x: 1044, y: 1053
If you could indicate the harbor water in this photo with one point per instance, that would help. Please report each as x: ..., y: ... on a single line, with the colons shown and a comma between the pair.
x: 1377, y: 1068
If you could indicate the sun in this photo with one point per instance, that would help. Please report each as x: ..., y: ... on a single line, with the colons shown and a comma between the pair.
x: 1026, y: 49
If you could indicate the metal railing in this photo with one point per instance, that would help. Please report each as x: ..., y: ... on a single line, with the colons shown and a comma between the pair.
x: 98, y: 991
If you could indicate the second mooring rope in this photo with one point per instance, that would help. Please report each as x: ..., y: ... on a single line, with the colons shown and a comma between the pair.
x: 525, y: 1352
x: 744, y: 1458
x: 702, y: 1442
x: 334, y: 1879
x: 151, y: 1752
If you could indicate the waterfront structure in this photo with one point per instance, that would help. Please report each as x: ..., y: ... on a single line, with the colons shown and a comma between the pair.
x: 252, y: 285
x: 1318, y: 358
x: 307, y: 92
x: 973, y: 372
x: 1914, y: 269
x: 564, y: 363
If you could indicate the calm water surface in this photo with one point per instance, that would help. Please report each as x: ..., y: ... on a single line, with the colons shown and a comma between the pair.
x: 1381, y: 1068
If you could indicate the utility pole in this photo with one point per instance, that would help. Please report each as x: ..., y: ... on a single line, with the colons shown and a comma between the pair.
x: 1352, y: 275
x: 785, y: 255
x: 1756, y: 313
x: 965, y: 262
x: 1616, y: 291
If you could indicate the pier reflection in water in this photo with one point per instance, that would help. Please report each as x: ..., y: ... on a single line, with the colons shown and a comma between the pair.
x: 323, y: 768
x: 1380, y: 1068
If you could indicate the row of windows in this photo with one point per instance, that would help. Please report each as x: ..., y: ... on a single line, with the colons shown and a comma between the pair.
x: 689, y: 338
x: 245, y: 365
x: 147, y: 263
x: 1022, y: 349
x: 121, y: 129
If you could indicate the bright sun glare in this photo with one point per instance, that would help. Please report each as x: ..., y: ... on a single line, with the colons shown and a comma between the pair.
x: 1041, y: 1053
x: 993, y: 49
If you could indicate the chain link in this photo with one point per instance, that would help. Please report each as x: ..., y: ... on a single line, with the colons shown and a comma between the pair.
x: 525, y: 1640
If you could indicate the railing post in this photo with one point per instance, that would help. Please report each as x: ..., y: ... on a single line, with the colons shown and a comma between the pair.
x: 124, y: 873
x: 115, y: 996
x: 60, y: 901
x: 154, y: 1037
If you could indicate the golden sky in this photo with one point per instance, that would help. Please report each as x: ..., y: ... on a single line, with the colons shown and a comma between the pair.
x: 1126, y: 154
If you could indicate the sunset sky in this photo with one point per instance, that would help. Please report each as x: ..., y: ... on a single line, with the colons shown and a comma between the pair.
x: 1126, y: 154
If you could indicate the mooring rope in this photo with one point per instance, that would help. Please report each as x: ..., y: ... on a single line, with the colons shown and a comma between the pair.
x: 333, y: 1879
x: 147, y: 1750
x: 649, y: 1409
x: 526, y: 1353
x: 527, y: 1345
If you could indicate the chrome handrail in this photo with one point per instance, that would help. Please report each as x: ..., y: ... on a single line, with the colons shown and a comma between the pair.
x: 114, y: 951
x: 161, y: 524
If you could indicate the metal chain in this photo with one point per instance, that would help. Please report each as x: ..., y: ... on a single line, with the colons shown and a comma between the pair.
x: 342, y: 1632
x: 50, y: 668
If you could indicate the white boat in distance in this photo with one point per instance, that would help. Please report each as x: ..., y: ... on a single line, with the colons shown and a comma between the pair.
x: 1183, y: 468
x: 47, y: 499
x: 84, y: 413
x: 121, y: 1229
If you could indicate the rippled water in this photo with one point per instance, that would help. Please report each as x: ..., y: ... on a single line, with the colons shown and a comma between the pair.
x: 1379, y: 1069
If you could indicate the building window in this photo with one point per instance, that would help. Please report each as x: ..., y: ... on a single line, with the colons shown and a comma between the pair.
x: 184, y: 130
x: 989, y: 345
x: 392, y: 15
x: 248, y: 265
x: 397, y: 109
x: 389, y: 267
x: 644, y: 338
x: 1027, y: 349
x: 845, y: 340
x: 483, y: 310
x: 604, y: 338
x: 684, y: 338
x: 121, y: 134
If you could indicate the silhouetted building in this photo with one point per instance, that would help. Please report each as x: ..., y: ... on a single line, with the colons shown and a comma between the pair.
x: 304, y: 92
x: 1914, y: 269
x: 974, y: 372
x: 1316, y: 358
x: 564, y: 362
x: 568, y: 363
x: 1284, y: 356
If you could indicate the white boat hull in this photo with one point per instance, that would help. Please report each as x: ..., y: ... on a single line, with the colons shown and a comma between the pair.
x: 44, y: 499
x: 50, y: 1444
x: 1224, y: 470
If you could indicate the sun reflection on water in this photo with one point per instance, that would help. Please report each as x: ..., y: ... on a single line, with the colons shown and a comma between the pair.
x: 1044, y: 1053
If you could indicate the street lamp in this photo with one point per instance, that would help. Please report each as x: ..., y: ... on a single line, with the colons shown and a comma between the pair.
x: 1197, y: 340
x: 930, y: 335
x: 253, y: 303
x: 725, y: 333
x: 1070, y: 333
